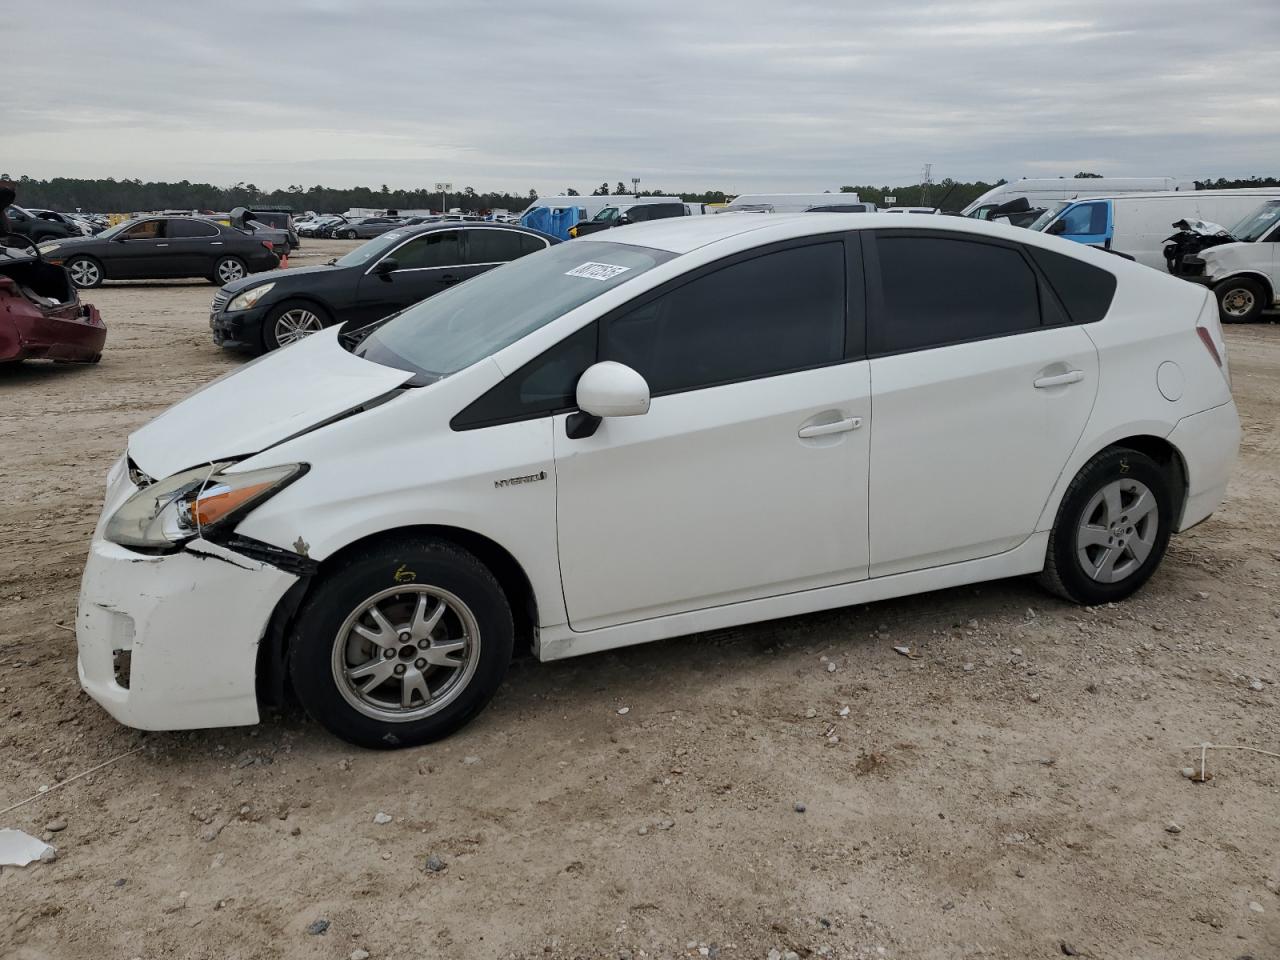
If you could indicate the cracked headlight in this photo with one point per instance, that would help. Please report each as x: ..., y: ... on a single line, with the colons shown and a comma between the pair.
x: 244, y: 301
x: 191, y: 503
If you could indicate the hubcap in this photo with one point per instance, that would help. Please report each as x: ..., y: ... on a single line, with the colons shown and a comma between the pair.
x: 84, y: 273
x: 406, y: 653
x: 1238, y: 302
x: 1117, y: 530
x: 293, y: 325
x: 230, y: 270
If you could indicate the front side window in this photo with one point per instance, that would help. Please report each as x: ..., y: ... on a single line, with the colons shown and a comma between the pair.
x: 607, y: 215
x: 768, y: 315
x: 1085, y: 220
x: 431, y: 250
x: 494, y: 246
x: 146, y: 230
x: 466, y: 323
x: 938, y: 291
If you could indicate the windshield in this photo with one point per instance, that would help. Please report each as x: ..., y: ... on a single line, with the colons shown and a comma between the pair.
x: 476, y: 319
x: 374, y: 248
x: 1042, y: 221
x: 1255, y: 226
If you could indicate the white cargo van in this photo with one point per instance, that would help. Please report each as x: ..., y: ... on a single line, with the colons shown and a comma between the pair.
x: 1047, y: 192
x: 795, y: 203
x: 1137, y: 225
x: 1244, y: 276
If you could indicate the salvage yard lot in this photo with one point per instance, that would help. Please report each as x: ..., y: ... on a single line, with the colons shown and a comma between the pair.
x: 1013, y: 789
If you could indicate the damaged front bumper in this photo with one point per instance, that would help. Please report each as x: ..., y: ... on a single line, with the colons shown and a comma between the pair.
x: 169, y: 642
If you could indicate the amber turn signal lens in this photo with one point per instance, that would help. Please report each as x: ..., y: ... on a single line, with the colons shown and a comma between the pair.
x: 209, y: 510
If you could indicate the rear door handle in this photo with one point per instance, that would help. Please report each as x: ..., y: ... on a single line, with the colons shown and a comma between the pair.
x: 823, y: 429
x: 161, y: 245
x: 1058, y: 380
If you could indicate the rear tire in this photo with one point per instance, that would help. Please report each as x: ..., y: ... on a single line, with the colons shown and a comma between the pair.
x: 371, y: 638
x: 229, y: 269
x: 1112, y: 529
x: 292, y: 321
x: 85, y: 272
x: 1240, y: 300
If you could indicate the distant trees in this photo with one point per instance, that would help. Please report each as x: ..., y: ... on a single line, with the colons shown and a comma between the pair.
x: 1087, y: 176
x: 570, y: 192
x: 109, y: 195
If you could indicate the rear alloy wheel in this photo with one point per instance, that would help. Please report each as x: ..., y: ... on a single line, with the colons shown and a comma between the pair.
x: 291, y: 322
x: 401, y: 644
x: 85, y: 272
x: 1240, y: 300
x: 1112, y: 529
x: 228, y: 269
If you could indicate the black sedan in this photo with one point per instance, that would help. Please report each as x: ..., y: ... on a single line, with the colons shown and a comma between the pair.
x: 159, y: 248
x: 374, y: 280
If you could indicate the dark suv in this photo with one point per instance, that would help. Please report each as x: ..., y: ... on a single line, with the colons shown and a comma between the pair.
x: 630, y: 213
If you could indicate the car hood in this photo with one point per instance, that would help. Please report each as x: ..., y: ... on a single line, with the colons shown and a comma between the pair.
x: 69, y: 242
x: 269, y: 400
x: 1230, y: 257
x: 273, y: 276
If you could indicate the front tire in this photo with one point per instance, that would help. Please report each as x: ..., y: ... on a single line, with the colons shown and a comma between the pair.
x: 85, y: 272
x: 1112, y: 528
x: 290, y: 322
x: 1240, y: 300
x: 228, y: 270
x: 401, y: 644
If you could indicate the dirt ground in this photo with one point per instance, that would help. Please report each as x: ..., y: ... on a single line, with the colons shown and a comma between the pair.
x: 1014, y: 789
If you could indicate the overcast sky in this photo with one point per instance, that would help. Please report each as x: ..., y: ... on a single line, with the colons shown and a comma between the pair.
x: 747, y: 95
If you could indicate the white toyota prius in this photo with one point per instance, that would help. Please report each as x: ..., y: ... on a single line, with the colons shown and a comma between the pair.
x: 667, y: 428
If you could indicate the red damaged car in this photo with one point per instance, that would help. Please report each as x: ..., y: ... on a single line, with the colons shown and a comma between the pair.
x: 41, y: 316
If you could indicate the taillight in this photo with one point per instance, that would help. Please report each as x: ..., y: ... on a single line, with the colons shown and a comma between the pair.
x: 1207, y: 339
x: 268, y: 244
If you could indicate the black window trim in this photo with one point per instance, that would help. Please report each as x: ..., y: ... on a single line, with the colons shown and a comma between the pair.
x: 855, y: 322
x: 875, y: 289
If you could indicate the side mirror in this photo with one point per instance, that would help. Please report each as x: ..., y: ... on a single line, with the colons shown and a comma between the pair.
x: 1057, y: 227
x: 623, y: 220
x: 119, y: 238
x: 607, y: 389
x: 611, y: 389
x: 386, y: 267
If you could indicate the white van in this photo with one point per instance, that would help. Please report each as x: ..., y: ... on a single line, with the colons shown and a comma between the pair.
x: 1137, y: 225
x: 1047, y: 192
x: 796, y: 203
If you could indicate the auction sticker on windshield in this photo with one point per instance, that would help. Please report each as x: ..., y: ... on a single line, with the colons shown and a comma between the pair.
x: 596, y: 271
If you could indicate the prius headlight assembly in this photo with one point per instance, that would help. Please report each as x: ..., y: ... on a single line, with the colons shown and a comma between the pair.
x: 243, y: 301
x: 195, y: 503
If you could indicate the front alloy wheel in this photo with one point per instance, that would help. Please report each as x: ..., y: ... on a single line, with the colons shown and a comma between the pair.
x: 295, y: 324
x: 406, y: 653
x: 85, y: 273
x: 401, y: 642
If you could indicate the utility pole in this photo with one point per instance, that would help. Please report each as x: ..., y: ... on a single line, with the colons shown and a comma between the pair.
x: 444, y: 189
x: 926, y: 181
x: 635, y: 185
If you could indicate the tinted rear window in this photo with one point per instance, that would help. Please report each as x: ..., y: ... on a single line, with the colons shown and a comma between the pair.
x: 1085, y: 290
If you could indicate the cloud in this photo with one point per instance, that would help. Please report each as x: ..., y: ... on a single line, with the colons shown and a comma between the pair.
x: 751, y: 95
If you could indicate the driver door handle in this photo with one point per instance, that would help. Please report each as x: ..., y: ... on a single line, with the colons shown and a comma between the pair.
x: 823, y: 429
x: 1058, y: 380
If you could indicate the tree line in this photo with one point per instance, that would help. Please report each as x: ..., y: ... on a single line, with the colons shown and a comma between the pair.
x: 127, y: 196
